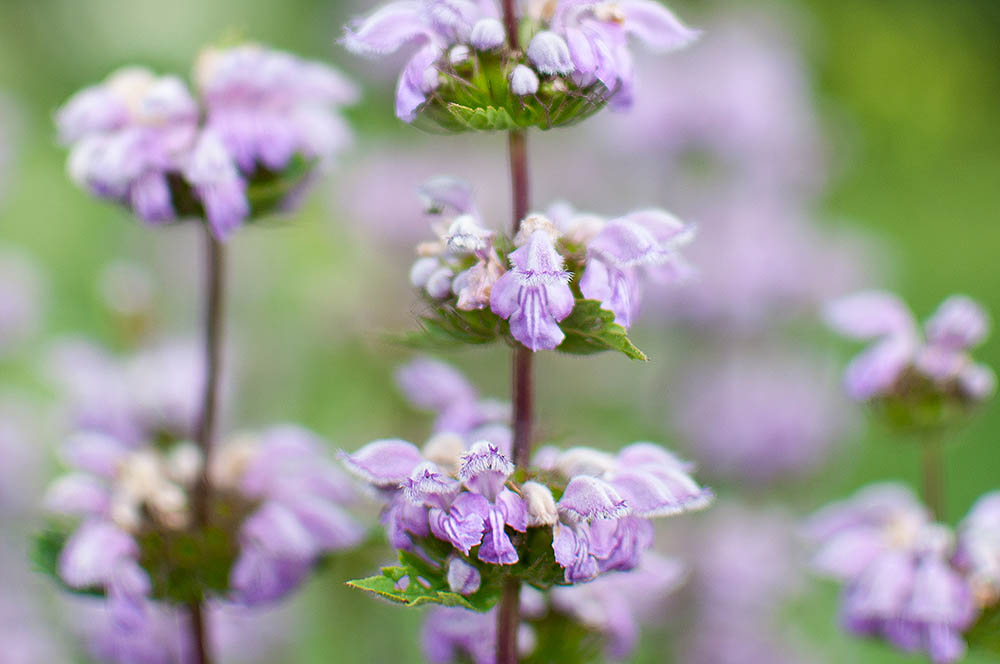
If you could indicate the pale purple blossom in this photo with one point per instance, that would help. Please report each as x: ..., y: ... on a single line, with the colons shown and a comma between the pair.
x: 237, y: 634
x: 629, y: 249
x: 616, y: 605
x: 127, y: 135
x: 900, y: 584
x: 267, y: 106
x: 978, y: 548
x: 301, y: 514
x: 942, y: 356
x: 430, y: 26
x: 534, y: 295
x: 593, y: 41
x: 605, y: 510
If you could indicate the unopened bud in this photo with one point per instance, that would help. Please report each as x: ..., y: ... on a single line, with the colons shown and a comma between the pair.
x: 463, y: 578
x: 445, y: 449
x: 541, y: 505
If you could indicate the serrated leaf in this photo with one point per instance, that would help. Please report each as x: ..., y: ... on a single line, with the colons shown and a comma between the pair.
x: 448, y: 326
x: 416, y: 582
x: 483, y: 118
x: 591, y: 329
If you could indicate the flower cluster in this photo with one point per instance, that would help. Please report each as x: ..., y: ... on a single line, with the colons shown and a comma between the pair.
x: 562, y: 621
x: 907, y: 579
x: 126, y: 526
x: 925, y: 378
x: 575, y: 58
x: 276, y: 507
x: 556, y: 260
x: 261, y: 121
x: 469, y: 498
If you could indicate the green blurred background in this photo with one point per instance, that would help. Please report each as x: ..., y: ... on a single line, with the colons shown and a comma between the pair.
x: 910, y: 94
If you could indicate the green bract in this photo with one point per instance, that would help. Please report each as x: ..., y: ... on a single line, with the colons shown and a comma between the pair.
x: 474, y: 95
x: 418, y: 580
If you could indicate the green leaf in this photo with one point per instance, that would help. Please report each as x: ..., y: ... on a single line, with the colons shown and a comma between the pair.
x: 425, y: 583
x: 46, y: 546
x: 591, y: 329
x: 447, y: 326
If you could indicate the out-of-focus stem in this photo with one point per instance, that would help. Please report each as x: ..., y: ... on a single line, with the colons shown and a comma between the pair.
x: 933, y: 475
x: 205, y: 434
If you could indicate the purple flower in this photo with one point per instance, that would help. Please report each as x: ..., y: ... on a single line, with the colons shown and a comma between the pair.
x: 958, y: 325
x: 900, y: 584
x: 267, y: 106
x: 642, y: 241
x: 126, y: 135
x: 454, y: 634
x: 301, y: 515
x: 237, y: 634
x: 385, y: 464
x: 615, y: 605
x: 433, y: 26
x: 484, y: 470
x: 851, y: 533
x: 213, y: 174
x: 978, y: 549
x: 594, y: 41
x: 535, y: 295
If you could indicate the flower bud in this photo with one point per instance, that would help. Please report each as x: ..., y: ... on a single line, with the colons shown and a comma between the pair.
x: 541, y: 505
x: 445, y: 449
x: 532, y: 223
x: 184, y: 463
x: 550, y: 53
x: 463, y: 578
x: 523, y: 81
x: 488, y: 34
x: 422, y: 270
x: 439, y: 283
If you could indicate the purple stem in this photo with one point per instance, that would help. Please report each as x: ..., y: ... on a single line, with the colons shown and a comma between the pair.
x: 205, y: 435
x: 522, y: 388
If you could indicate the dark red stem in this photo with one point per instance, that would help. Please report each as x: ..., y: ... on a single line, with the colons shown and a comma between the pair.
x: 205, y: 434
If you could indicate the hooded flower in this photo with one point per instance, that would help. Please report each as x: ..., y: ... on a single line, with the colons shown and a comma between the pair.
x: 605, y: 510
x: 485, y: 470
x: 534, y: 295
x: 590, y: 40
x: 433, y: 27
x: 627, y: 248
x: 943, y: 356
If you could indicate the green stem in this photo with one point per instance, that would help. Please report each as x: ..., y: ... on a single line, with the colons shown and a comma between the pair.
x: 933, y: 475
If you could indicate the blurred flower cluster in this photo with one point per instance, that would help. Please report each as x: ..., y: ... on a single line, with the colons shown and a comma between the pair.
x: 262, y: 120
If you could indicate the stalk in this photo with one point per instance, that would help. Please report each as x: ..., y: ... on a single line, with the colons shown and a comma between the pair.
x: 933, y: 475
x: 205, y: 434
x: 522, y: 385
